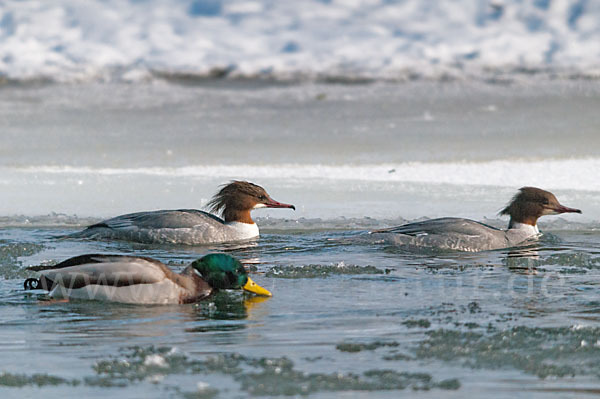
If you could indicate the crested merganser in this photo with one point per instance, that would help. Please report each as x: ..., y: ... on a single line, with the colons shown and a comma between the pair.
x: 526, y: 207
x: 135, y: 279
x: 191, y: 226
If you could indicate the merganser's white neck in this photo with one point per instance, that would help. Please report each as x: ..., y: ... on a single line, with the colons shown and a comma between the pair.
x: 244, y: 230
x: 524, y: 228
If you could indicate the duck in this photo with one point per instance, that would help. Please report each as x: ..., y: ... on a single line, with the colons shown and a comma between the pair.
x: 141, y: 280
x: 234, y: 202
x: 451, y: 233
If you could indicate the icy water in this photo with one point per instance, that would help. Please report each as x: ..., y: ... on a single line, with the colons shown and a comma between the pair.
x: 350, y: 316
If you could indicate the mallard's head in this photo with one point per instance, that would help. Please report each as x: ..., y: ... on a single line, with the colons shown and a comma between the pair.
x: 224, y: 272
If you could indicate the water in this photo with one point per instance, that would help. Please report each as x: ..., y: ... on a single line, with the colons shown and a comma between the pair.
x: 400, y: 149
x: 350, y: 316
x: 352, y: 319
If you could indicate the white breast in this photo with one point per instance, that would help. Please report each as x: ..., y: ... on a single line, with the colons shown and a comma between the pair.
x: 520, y: 232
x: 243, y: 231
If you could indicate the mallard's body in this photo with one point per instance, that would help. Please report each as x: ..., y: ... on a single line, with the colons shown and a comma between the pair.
x: 141, y: 280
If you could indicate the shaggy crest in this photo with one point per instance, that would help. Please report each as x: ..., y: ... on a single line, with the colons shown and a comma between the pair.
x: 528, y: 195
x: 228, y: 196
x: 530, y: 203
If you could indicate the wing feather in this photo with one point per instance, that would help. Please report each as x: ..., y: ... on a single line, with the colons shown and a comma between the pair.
x: 440, y: 226
x: 164, y: 219
x: 109, y: 270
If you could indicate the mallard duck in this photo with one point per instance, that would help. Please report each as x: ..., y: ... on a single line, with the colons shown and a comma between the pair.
x: 136, y: 279
x: 191, y: 226
x: 526, y: 207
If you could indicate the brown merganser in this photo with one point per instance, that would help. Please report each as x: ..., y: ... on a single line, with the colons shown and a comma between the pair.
x: 191, y: 226
x: 526, y: 207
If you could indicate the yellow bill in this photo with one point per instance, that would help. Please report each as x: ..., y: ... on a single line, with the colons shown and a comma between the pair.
x: 251, y: 286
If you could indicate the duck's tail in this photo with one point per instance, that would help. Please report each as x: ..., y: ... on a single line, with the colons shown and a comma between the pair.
x: 42, y: 283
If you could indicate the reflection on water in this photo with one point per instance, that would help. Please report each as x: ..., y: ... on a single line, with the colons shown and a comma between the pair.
x: 92, y: 318
x: 524, y: 259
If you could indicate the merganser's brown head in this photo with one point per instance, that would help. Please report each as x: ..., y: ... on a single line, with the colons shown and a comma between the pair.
x: 236, y: 199
x: 530, y: 203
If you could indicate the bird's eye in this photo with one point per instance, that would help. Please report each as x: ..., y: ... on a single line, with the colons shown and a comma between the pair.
x: 545, y: 201
x: 262, y: 198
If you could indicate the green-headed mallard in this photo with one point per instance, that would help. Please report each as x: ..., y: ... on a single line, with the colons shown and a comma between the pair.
x: 134, y: 279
